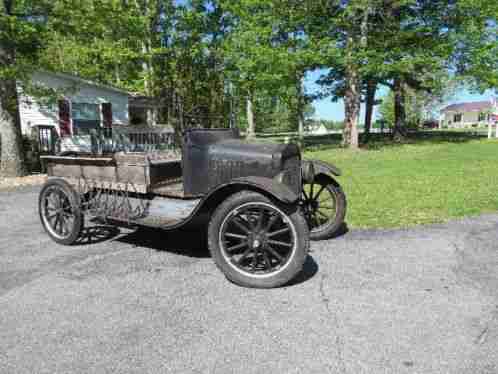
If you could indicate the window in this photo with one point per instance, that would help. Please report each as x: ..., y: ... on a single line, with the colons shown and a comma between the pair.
x: 457, y: 117
x: 85, y: 118
x: 482, y: 117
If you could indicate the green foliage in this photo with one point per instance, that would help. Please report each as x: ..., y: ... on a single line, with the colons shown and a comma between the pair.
x: 22, y: 33
x: 210, y: 55
x: 98, y: 41
x: 477, y: 43
x: 414, y: 41
x: 414, y: 107
x: 267, y: 54
x: 420, y: 105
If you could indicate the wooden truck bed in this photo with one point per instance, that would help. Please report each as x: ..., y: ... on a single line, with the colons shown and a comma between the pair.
x: 156, y: 172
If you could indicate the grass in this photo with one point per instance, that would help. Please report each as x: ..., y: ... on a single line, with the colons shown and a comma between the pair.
x: 428, y: 179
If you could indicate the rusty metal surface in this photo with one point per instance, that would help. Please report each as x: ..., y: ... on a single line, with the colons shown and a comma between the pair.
x: 172, y: 190
x: 79, y: 160
x: 143, y: 170
x: 212, y: 158
x: 127, y: 204
x: 138, y: 188
x: 127, y: 185
x: 165, y: 212
x: 104, y: 200
x: 277, y: 189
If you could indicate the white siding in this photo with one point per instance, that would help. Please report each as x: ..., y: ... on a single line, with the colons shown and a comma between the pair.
x: 33, y: 114
x: 468, y: 118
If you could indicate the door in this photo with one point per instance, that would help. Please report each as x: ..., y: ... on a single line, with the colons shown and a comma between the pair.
x: 64, y: 118
x: 107, y: 119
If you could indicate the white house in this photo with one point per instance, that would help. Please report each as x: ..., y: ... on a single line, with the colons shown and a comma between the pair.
x: 84, y: 105
x: 470, y: 114
x: 317, y: 129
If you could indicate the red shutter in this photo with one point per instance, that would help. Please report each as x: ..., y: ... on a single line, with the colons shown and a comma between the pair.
x: 64, y: 118
x: 107, y: 114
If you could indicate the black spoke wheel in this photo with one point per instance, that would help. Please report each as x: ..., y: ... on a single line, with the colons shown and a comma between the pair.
x: 256, y: 242
x: 60, y: 211
x: 324, y: 206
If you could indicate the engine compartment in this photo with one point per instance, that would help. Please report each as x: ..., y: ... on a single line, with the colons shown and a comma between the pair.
x: 212, y: 157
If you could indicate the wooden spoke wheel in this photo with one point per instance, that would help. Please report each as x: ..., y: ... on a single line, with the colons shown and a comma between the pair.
x: 324, y: 207
x: 60, y: 211
x: 257, y: 243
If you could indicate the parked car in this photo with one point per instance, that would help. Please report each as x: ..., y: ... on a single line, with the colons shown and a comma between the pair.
x: 430, y: 124
x: 263, y: 201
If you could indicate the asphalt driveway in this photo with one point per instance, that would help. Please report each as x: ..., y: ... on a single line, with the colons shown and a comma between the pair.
x: 423, y: 300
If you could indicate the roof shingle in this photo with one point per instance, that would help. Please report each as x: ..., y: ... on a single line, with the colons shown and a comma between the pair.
x: 468, y: 107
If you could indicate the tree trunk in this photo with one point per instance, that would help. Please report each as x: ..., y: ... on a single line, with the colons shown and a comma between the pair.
x: 351, y: 108
x: 12, y: 158
x: 146, y: 50
x: 399, y: 129
x: 369, y: 106
x: 233, y: 106
x: 352, y: 98
x: 300, y: 109
x: 251, y: 127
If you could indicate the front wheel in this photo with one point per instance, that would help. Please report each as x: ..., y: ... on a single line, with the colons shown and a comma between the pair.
x: 324, y: 206
x: 256, y: 242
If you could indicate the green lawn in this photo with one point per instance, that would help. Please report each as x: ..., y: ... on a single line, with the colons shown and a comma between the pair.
x: 429, y: 180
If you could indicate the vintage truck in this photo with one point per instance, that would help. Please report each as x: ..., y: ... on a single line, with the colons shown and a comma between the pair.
x: 262, y: 201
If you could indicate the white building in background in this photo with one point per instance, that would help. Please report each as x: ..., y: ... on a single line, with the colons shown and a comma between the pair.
x: 317, y: 129
x: 469, y: 114
x: 84, y: 105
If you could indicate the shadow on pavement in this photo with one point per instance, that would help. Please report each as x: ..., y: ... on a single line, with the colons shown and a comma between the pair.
x: 188, y: 242
x: 97, y: 234
x: 342, y: 230
x: 310, y: 268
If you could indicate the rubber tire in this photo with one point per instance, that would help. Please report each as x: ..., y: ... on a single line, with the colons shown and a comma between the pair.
x: 75, y: 206
x: 331, y: 229
x: 296, y: 263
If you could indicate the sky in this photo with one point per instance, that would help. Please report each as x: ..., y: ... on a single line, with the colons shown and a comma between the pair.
x: 326, y: 109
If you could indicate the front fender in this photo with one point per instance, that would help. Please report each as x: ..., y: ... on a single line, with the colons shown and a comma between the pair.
x: 266, y: 186
x: 279, y: 190
x: 310, y: 168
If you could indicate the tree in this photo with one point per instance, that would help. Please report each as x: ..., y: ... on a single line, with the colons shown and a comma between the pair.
x: 21, y: 35
x: 268, y: 53
x: 402, y: 44
x: 419, y: 105
x: 347, y: 33
x: 476, y: 37
x: 427, y: 40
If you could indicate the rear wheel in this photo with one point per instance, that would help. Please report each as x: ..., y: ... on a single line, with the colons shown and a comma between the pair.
x: 256, y: 242
x: 324, y: 206
x: 60, y: 211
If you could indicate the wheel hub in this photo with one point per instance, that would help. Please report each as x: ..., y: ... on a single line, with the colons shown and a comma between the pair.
x: 257, y: 240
